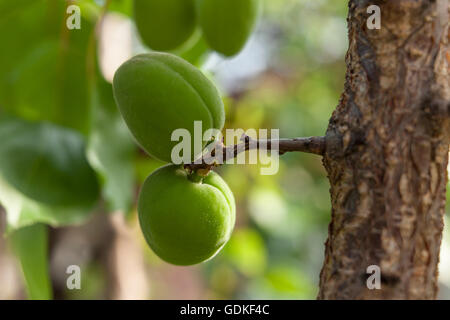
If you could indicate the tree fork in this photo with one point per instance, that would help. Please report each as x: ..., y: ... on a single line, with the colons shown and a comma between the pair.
x: 386, y: 154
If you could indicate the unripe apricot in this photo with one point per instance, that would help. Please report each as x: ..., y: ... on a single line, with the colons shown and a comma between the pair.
x: 164, y: 24
x: 183, y: 221
x: 158, y: 93
x: 227, y: 24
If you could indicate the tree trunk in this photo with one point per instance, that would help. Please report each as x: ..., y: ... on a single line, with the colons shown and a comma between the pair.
x: 387, y: 149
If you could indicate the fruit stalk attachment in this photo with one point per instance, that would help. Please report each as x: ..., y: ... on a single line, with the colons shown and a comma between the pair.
x: 221, y: 153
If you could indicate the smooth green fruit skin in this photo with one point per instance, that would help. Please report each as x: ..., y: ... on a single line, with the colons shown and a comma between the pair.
x: 185, y: 222
x: 158, y: 93
x: 227, y: 24
x: 165, y: 24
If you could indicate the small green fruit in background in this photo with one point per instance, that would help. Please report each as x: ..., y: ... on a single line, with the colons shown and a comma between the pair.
x: 158, y: 93
x: 165, y: 24
x: 227, y: 24
x: 183, y: 221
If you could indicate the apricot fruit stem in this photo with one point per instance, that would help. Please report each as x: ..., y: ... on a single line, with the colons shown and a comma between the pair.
x: 314, y: 145
x: 195, y: 177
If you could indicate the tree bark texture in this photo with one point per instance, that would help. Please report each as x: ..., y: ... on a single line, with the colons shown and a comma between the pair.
x: 387, y: 148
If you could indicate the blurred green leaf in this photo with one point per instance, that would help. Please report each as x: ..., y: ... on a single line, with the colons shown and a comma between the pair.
x: 268, y: 209
x: 46, y: 163
x: 122, y: 6
x: 30, y: 244
x: 22, y: 211
x: 288, y: 280
x: 111, y: 150
x: 283, y: 282
x: 247, y: 252
x: 45, y: 68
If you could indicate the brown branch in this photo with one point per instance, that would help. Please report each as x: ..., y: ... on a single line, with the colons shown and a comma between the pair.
x: 315, y: 145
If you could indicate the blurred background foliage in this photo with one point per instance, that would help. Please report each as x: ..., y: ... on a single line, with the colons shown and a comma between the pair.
x: 68, y: 162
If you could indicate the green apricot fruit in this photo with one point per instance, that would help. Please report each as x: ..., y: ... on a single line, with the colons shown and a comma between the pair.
x: 158, y: 93
x: 165, y: 24
x: 183, y: 221
x: 227, y: 24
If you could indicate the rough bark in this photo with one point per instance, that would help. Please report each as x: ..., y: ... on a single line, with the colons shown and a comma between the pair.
x: 386, y: 155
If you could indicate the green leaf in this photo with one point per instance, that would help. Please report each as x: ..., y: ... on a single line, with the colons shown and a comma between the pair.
x: 124, y: 7
x: 44, y: 64
x: 22, y: 211
x: 46, y: 163
x: 246, y: 251
x: 111, y: 150
x: 289, y: 280
x: 30, y: 245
